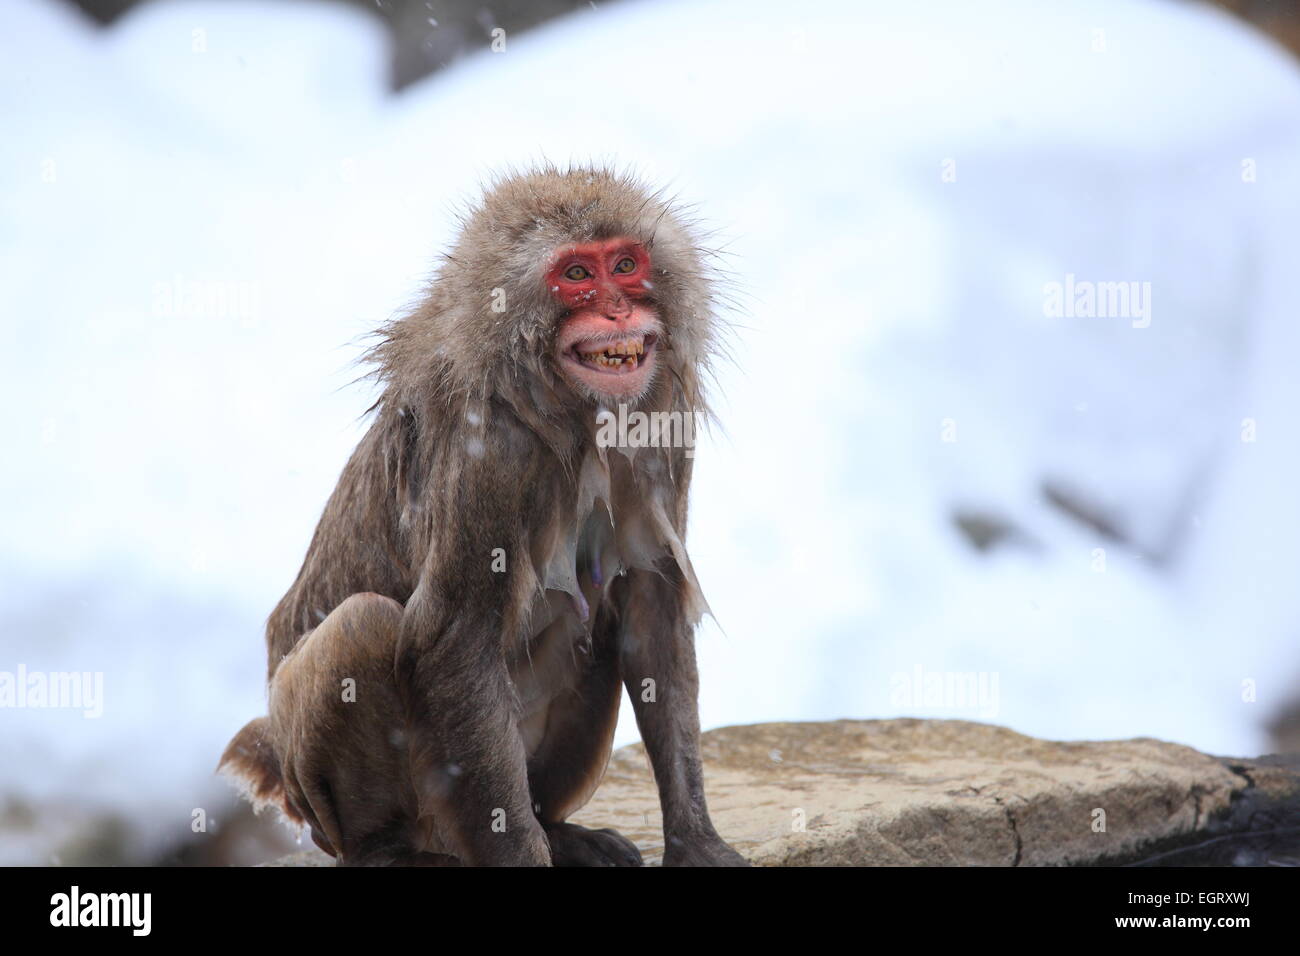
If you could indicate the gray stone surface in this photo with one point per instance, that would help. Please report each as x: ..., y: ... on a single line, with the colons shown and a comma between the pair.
x: 952, y: 793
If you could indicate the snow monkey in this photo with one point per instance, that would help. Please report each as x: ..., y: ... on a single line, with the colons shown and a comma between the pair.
x: 445, y: 673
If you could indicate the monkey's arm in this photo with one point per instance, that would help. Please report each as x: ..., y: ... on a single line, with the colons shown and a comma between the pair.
x: 468, y: 761
x: 658, y: 645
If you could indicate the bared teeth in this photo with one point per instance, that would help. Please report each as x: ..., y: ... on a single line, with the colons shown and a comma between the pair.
x: 605, y: 360
x: 616, y: 355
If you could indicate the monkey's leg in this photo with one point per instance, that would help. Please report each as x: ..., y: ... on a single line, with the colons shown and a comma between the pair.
x: 658, y: 661
x: 338, y: 728
x: 566, y: 768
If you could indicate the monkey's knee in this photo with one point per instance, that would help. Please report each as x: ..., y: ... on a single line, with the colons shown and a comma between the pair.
x: 339, y: 678
x: 366, y: 624
x: 339, y: 725
x: 358, y: 636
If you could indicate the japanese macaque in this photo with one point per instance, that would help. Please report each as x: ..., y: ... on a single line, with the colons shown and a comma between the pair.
x: 446, y: 671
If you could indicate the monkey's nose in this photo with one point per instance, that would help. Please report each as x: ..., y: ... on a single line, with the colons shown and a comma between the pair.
x: 619, y: 309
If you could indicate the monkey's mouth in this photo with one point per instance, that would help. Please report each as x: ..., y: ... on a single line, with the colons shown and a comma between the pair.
x: 616, y: 358
x: 618, y: 365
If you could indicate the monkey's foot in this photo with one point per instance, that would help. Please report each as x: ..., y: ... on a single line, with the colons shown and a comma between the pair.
x: 572, y: 845
x: 421, y: 858
x: 398, y: 857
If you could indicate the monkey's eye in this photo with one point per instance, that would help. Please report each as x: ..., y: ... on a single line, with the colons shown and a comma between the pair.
x: 576, y: 273
x: 625, y: 265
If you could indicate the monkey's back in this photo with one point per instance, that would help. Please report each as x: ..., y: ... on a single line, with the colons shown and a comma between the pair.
x: 357, y: 546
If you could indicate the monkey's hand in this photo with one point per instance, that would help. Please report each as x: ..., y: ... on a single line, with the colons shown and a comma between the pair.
x: 707, y: 849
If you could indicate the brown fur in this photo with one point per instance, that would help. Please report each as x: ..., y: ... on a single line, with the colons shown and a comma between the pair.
x: 483, y: 696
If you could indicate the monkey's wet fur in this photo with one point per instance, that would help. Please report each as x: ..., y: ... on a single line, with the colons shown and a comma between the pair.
x: 446, y: 671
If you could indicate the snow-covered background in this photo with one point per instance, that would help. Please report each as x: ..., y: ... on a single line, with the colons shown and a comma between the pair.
x: 204, y: 208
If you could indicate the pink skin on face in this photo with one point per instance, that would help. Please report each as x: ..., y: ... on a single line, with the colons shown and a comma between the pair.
x: 607, y: 341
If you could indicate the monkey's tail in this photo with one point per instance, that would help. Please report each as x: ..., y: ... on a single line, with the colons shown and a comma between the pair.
x: 251, y: 762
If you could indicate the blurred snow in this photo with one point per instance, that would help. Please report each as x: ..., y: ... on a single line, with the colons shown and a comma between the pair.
x: 204, y: 208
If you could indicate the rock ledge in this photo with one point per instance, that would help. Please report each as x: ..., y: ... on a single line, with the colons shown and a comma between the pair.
x: 954, y: 793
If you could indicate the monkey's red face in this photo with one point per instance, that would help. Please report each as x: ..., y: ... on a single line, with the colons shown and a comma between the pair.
x: 607, y: 340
